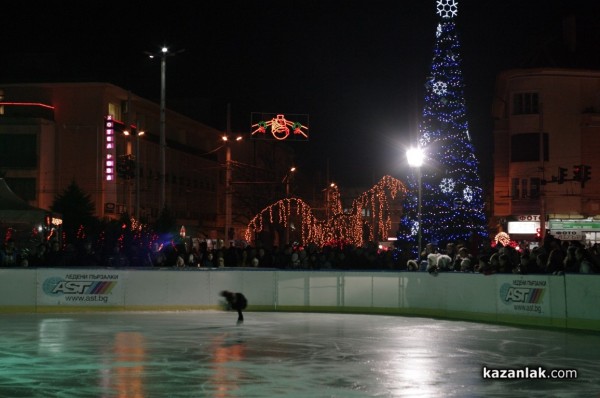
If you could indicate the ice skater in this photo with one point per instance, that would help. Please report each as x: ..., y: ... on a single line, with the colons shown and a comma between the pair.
x: 235, y: 301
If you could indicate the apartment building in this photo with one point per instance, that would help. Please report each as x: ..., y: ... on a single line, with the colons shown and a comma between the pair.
x: 547, y: 154
x: 107, y: 140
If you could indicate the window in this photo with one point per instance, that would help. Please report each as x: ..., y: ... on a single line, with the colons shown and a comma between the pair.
x: 114, y: 110
x: 515, y: 191
x: 525, y: 104
x: 526, y: 147
x: 534, y: 187
x: 523, y: 188
x: 18, y: 151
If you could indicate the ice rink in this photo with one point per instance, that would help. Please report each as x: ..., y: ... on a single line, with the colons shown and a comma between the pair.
x: 204, y: 354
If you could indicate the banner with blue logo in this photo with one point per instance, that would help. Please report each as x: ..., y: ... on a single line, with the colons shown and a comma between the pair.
x: 523, y: 294
x: 80, y: 287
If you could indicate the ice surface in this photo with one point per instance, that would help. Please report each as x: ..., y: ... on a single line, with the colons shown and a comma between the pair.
x: 204, y: 354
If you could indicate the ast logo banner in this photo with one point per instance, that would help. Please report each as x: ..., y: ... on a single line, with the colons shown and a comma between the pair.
x: 523, y: 294
x: 80, y: 287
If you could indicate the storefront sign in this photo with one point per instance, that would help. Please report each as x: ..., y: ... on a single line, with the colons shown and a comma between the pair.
x: 574, y: 224
x: 530, y: 217
x: 523, y: 227
x: 567, y: 234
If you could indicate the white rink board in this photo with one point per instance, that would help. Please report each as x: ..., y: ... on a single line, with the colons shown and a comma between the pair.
x: 544, y: 300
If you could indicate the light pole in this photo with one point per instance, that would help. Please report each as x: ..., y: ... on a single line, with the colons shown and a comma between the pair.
x: 137, y: 171
x: 287, y: 178
x: 415, y: 159
x: 138, y: 133
x: 228, y: 184
x: 164, y: 53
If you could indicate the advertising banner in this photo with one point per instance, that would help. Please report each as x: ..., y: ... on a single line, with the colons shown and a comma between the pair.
x: 523, y: 295
x: 85, y: 287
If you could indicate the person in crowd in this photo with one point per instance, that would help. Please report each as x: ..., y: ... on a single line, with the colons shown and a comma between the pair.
x: 432, y: 263
x: 70, y: 256
x: 192, y: 258
x: 429, y: 249
x: 451, y: 250
x: 38, y: 257
x: 483, y: 264
x: 117, y: 259
x: 244, y: 260
x: 236, y: 302
x: 505, y: 265
x: 585, y: 261
x: 55, y: 256
x: 264, y: 258
x: 464, y: 260
x: 9, y: 254
x: 555, y: 265
x: 494, y: 266
x: 444, y: 263
x: 231, y: 255
x: 157, y: 257
x: 209, y: 260
x: 570, y: 262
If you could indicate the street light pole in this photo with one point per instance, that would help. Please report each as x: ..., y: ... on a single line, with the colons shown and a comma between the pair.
x: 415, y: 159
x: 287, y: 195
x: 137, y: 171
x: 227, y: 191
x: 164, y: 53
x: 163, y: 136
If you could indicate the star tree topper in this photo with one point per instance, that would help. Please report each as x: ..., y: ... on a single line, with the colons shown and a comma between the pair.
x: 447, y: 8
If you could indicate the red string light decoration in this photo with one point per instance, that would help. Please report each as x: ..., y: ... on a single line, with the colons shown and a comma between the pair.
x: 371, y: 211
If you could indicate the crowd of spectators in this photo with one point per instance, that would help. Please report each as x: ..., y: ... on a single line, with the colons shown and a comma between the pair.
x: 554, y: 257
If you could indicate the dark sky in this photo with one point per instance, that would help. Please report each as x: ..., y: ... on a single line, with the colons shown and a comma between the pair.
x: 356, y: 67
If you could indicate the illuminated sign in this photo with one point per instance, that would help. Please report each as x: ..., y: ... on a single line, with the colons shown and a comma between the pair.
x: 523, y: 227
x: 109, y: 143
x: 567, y: 234
x: 279, y: 126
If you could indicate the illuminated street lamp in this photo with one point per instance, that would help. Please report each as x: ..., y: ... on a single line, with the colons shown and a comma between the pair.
x: 287, y: 178
x: 164, y: 53
x: 137, y: 168
x: 228, y: 192
x: 415, y: 159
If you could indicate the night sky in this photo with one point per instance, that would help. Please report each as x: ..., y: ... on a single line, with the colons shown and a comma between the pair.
x: 356, y: 67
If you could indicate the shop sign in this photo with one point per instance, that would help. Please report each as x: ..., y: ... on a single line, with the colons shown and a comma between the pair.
x: 568, y: 234
x: 574, y: 224
x: 530, y: 217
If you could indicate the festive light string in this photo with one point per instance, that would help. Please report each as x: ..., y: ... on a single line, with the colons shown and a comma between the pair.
x: 338, y: 227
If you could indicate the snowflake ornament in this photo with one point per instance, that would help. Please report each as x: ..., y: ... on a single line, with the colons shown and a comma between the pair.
x: 425, y: 139
x: 468, y: 194
x: 447, y: 185
x: 414, y: 228
x: 447, y: 8
x: 440, y: 88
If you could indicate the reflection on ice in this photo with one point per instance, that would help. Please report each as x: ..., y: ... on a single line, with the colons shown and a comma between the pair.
x: 53, y: 335
x: 192, y: 354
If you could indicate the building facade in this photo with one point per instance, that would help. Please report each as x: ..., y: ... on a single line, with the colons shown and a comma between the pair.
x: 546, y: 154
x: 107, y: 140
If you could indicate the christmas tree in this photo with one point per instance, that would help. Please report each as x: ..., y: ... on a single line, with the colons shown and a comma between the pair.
x: 452, y: 207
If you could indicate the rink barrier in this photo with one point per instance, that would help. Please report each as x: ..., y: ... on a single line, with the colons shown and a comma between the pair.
x: 568, y: 301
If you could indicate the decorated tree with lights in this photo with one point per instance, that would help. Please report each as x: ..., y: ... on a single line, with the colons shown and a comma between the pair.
x: 452, y: 207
